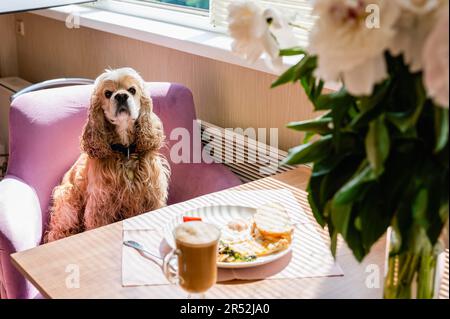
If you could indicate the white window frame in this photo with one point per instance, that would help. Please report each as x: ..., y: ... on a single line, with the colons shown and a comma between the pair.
x: 173, y: 14
x: 212, y: 20
x: 167, y: 6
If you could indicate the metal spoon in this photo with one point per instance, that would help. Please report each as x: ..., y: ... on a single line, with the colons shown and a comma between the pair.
x: 140, y: 248
x: 144, y: 252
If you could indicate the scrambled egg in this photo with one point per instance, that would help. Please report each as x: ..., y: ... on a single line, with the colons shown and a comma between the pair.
x: 242, y: 242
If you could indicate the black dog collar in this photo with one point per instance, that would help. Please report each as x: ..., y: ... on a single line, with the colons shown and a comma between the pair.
x: 125, y: 150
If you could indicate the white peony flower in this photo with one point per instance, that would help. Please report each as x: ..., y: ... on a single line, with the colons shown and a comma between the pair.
x: 436, y: 61
x: 256, y: 31
x: 348, y: 47
x: 249, y: 30
x: 280, y: 29
x: 416, y: 20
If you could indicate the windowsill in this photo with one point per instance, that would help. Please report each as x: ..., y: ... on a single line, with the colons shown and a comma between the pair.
x: 191, y: 40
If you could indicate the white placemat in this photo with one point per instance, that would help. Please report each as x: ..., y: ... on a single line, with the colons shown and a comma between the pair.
x: 310, y: 255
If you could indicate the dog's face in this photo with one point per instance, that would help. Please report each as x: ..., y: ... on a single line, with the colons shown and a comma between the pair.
x: 121, y: 111
x: 120, y: 92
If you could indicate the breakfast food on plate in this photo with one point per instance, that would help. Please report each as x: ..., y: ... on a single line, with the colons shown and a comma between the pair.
x: 272, y: 221
x: 269, y: 231
x: 191, y: 219
x: 238, y: 225
x: 235, y: 242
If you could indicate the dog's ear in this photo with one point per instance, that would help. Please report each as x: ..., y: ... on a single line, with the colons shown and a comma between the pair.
x: 94, y: 140
x: 149, y: 128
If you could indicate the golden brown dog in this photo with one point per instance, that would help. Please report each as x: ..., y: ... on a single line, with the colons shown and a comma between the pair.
x: 120, y: 173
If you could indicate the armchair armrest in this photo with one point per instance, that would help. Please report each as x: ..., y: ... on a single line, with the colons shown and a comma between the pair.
x: 49, y: 84
x: 20, y: 229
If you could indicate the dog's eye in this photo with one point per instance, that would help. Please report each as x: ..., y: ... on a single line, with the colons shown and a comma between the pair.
x: 132, y: 91
x: 108, y: 94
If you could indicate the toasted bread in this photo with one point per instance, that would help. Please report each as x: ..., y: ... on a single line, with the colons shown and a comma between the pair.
x: 273, y: 222
x: 272, y: 244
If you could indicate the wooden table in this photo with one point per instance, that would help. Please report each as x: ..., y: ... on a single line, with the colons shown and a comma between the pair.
x: 97, y: 254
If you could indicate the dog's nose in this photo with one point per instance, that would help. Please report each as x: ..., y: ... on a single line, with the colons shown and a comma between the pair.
x: 121, y: 98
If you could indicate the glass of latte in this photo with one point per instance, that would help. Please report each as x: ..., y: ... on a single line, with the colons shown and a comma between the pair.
x: 196, y: 251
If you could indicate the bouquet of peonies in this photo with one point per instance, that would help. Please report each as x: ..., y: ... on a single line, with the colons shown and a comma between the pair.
x: 379, y: 151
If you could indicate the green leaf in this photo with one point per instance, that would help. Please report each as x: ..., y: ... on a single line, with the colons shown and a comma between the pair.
x: 352, y: 238
x: 399, y: 171
x: 307, y: 65
x: 305, y: 75
x: 355, y: 243
x: 429, y: 210
x: 323, y: 186
x: 296, y: 72
x: 405, y: 120
x: 343, y: 137
x: 308, y: 153
x: 367, y: 103
x: 318, y: 126
x: 315, y: 210
x: 288, y: 76
x: 370, y: 107
x: 308, y: 137
x: 333, y: 244
x: 443, y: 211
x: 340, y: 216
x: 358, y: 223
x: 313, y: 190
x: 374, y: 214
x: 402, y: 220
x: 318, y: 90
x: 293, y: 51
x: 361, y: 120
x: 333, y: 239
x: 333, y: 100
x: 377, y: 145
x: 353, y: 188
x: 419, y: 208
x: 348, y: 143
x: 328, y: 164
x: 441, y: 128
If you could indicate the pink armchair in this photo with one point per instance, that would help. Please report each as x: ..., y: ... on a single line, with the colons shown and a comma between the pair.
x: 44, y: 142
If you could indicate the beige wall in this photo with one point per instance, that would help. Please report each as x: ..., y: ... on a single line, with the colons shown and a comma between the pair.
x: 8, y: 50
x: 226, y: 95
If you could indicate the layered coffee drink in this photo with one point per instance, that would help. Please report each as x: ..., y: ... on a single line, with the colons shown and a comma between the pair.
x: 196, y: 243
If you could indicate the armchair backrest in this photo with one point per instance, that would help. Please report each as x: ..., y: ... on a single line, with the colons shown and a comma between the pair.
x: 45, y: 129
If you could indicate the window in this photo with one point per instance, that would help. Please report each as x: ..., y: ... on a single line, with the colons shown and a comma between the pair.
x: 199, y: 4
x: 209, y: 14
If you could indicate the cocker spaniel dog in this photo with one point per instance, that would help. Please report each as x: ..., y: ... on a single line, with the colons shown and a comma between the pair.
x: 120, y: 172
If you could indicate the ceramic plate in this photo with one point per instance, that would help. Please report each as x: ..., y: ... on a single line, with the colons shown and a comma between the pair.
x: 220, y: 216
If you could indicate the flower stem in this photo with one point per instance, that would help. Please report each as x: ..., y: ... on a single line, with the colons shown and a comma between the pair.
x: 404, y: 267
x: 298, y: 26
x: 426, y: 274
